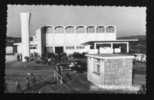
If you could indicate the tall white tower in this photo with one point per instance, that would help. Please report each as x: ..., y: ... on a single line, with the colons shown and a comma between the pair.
x: 25, y: 19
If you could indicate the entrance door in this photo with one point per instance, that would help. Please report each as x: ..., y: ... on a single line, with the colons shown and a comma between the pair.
x: 123, y: 48
x: 59, y: 50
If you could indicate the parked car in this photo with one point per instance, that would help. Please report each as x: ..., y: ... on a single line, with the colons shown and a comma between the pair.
x: 78, y: 66
x: 140, y: 57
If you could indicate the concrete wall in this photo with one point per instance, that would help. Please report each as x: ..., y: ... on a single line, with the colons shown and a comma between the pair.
x: 113, y: 72
x: 76, y: 39
x: 10, y: 58
x: 91, y: 76
x: 118, y: 72
x: 53, y: 39
x: 19, y: 49
x: 66, y: 39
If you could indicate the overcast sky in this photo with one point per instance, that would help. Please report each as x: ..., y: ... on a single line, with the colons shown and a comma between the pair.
x: 129, y: 20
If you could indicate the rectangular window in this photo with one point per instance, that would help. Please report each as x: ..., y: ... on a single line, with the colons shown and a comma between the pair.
x: 59, y: 29
x: 100, y: 29
x: 90, y: 29
x: 110, y: 29
x: 97, y: 66
x: 80, y: 47
x: 69, y: 47
x: 92, y: 46
x: 69, y: 29
x: 80, y: 29
x: 32, y: 47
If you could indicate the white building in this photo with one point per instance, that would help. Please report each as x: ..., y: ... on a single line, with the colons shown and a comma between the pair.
x: 69, y: 39
x: 77, y: 38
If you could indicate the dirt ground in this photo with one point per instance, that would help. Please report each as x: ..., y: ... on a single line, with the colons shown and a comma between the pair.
x: 16, y: 71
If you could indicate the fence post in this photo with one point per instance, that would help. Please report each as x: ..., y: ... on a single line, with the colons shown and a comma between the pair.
x: 61, y: 80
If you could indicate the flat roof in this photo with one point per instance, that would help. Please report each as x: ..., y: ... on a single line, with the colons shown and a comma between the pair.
x: 110, y: 56
x: 119, y: 40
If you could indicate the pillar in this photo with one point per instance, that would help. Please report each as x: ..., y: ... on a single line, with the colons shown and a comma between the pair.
x: 95, y: 48
x: 94, y: 45
x: 25, y: 18
x: 112, y: 47
x: 127, y: 44
x: 53, y: 49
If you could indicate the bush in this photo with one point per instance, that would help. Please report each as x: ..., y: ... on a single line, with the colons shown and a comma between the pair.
x: 63, y: 58
x: 142, y: 90
x: 51, y: 55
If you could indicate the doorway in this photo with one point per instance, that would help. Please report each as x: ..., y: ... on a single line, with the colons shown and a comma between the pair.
x: 123, y: 47
x: 59, y: 50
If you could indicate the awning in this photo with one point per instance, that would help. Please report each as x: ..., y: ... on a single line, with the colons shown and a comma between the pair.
x: 110, y: 41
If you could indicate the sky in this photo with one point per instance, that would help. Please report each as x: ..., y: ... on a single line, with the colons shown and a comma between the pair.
x: 129, y: 20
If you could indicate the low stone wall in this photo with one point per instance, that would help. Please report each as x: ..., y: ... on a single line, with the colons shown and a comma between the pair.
x: 10, y: 58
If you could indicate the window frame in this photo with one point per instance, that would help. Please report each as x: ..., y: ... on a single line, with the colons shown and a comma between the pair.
x: 80, y: 47
x: 108, y: 30
x: 49, y: 29
x: 92, y: 46
x: 97, y: 65
x: 90, y: 27
x: 69, y: 27
x: 97, y: 29
x: 57, y: 31
x: 78, y: 28
x: 69, y: 47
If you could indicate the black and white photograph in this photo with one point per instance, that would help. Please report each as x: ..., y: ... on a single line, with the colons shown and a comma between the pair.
x: 66, y: 49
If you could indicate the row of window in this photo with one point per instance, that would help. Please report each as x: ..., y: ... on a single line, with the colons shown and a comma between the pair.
x: 72, y: 47
x: 99, y: 45
x: 81, y: 29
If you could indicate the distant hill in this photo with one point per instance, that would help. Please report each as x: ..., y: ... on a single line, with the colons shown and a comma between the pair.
x: 140, y: 37
x: 139, y: 46
x: 11, y: 40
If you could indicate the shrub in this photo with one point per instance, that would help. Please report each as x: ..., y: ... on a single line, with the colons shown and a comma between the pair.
x: 64, y: 58
x: 51, y: 55
x: 78, y: 55
x: 142, y: 90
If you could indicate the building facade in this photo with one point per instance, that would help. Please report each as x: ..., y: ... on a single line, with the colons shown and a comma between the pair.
x: 70, y: 39
x: 78, y: 38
